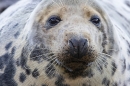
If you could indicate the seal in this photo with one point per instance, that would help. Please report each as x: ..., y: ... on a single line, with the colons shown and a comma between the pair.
x: 61, y: 43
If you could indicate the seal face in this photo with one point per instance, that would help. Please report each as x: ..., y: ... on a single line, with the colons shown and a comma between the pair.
x: 61, y: 43
x: 67, y: 34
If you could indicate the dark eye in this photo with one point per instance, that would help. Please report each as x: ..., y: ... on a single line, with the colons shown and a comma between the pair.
x: 95, y: 20
x: 53, y: 20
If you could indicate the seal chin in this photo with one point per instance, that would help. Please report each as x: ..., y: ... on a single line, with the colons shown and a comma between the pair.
x: 75, y: 66
x: 76, y: 59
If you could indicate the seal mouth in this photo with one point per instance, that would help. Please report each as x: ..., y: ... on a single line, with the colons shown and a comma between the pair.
x: 78, y: 62
x: 74, y: 65
x: 71, y: 63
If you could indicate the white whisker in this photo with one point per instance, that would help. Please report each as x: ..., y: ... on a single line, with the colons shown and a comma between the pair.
x: 98, y: 65
x: 113, y: 50
x: 104, y: 62
x: 104, y: 54
x: 61, y: 2
x: 50, y: 66
x: 56, y: 3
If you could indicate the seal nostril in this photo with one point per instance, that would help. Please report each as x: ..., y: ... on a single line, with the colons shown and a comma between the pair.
x: 71, y: 43
x: 78, y: 47
x: 83, y: 42
x: 85, y: 45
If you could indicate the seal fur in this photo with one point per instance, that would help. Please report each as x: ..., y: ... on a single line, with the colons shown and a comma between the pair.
x: 42, y: 55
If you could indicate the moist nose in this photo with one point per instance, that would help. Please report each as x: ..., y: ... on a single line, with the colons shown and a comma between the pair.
x: 78, y: 47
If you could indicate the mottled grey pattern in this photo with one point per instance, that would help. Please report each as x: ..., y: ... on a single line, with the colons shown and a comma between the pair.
x: 24, y: 62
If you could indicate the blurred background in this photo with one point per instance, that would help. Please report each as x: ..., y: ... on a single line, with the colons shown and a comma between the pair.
x: 6, y: 3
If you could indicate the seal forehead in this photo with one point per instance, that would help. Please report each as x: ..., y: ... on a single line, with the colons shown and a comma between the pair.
x: 73, y: 2
x: 76, y: 3
x: 63, y: 8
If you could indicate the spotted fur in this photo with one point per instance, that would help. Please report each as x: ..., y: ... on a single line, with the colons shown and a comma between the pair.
x: 27, y: 59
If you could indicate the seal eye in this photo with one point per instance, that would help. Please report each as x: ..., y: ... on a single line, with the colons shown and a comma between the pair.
x: 95, y: 20
x: 53, y: 20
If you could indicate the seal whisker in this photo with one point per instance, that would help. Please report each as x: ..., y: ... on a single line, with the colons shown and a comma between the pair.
x: 105, y: 54
x: 52, y: 61
x: 62, y: 65
x: 99, y: 66
x: 43, y: 56
x: 55, y: 70
x: 56, y: 3
x: 41, y: 48
x: 50, y: 70
x: 61, y: 2
x: 113, y: 50
x: 101, y: 58
x: 104, y: 61
x: 88, y: 1
x: 102, y: 66
x: 48, y: 52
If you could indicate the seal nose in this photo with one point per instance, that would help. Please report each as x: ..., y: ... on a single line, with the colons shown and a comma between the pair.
x: 78, y: 48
